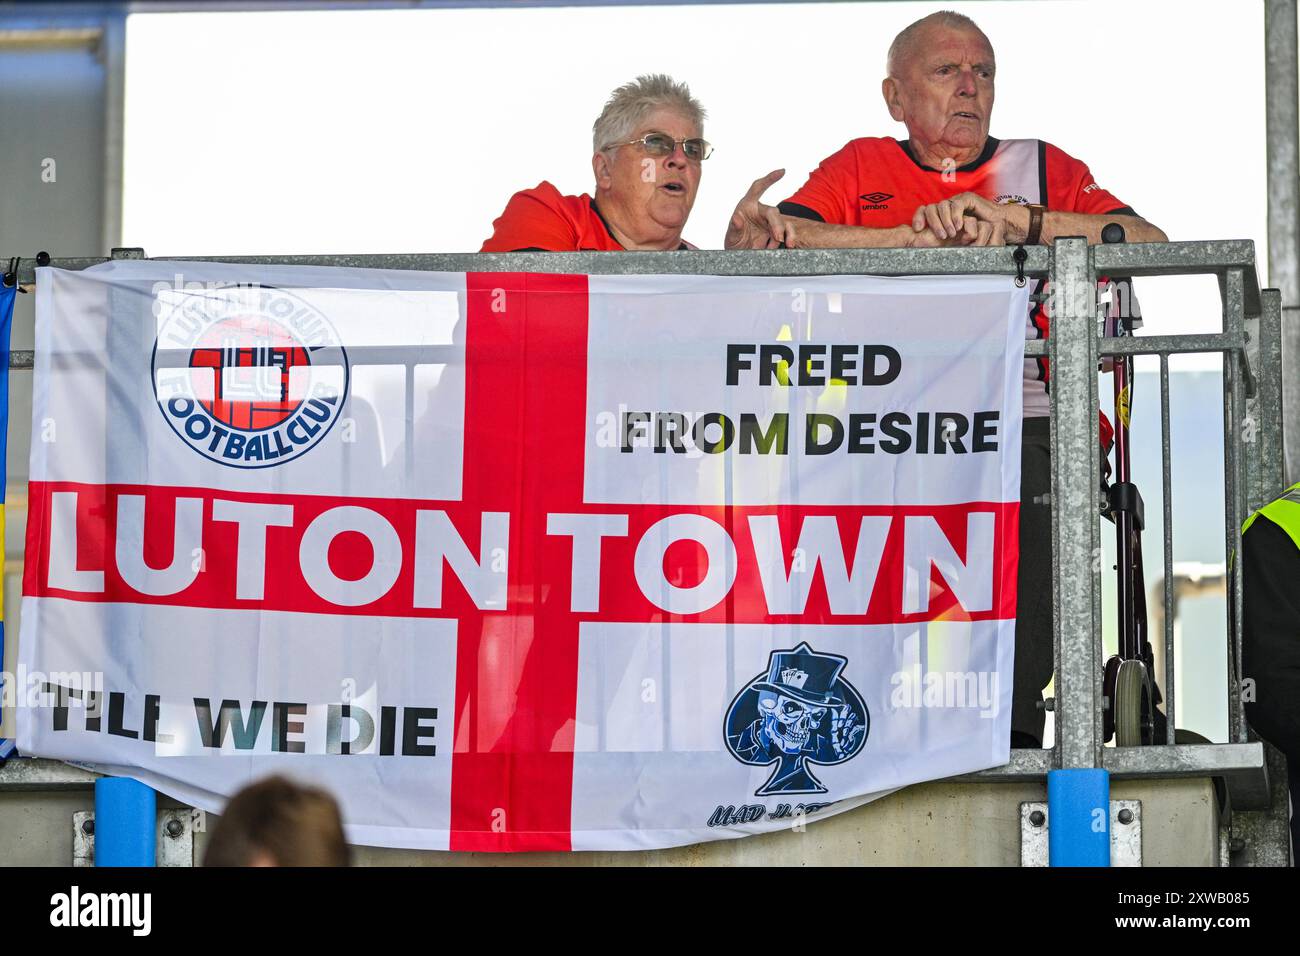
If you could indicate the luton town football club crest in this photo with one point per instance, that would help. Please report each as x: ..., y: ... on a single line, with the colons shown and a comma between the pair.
x: 248, y: 376
x: 800, y: 711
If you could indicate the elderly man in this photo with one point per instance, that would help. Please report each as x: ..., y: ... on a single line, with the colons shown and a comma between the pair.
x: 951, y: 183
x: 649, y: 147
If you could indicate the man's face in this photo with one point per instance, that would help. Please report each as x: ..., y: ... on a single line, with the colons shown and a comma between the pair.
x: 943, y: 90
x: 655, y: 192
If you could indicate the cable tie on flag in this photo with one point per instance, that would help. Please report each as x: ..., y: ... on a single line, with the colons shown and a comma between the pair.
x: 1020, y: 256
x: 11, y: 274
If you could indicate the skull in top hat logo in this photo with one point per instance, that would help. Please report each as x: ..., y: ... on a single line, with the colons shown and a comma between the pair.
x: 800, y: 711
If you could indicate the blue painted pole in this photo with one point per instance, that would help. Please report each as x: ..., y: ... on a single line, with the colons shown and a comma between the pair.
x: 126, y: 821
x: 1078, y: 817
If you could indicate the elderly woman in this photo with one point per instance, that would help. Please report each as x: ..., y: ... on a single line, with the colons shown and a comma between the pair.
x: 649, y: 147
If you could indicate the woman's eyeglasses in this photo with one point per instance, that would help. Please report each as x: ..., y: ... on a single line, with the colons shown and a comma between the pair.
x: 661, y: 144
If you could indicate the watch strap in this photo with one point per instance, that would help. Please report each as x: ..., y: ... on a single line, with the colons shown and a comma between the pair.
x: 1036, y: 211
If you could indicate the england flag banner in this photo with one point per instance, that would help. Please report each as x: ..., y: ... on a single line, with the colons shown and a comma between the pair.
x: 518, y: 561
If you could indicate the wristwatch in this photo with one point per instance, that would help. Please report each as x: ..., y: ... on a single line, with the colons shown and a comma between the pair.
x: 1035, y: 224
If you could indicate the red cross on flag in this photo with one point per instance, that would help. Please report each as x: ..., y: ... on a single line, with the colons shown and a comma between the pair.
x: 518, y: 561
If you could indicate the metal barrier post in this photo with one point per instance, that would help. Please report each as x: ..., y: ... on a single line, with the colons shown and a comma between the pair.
x: 1268, y: 427
x: 1234, y: 369
x: 1073, y: 349
x: 1167, y: 533
x: 1078, y: 794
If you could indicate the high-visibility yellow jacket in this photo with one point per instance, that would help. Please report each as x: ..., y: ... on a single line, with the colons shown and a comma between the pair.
x: 1271, y: 626
x: 1283, y: 511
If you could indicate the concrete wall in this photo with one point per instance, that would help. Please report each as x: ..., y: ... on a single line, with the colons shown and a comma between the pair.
x: 937, y: 824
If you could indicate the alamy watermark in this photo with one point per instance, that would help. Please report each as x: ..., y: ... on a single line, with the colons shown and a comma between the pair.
x: 914, y: 688
x: 25, y: 688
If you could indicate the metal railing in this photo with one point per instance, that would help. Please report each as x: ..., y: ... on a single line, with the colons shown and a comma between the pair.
x: 1250, y: 342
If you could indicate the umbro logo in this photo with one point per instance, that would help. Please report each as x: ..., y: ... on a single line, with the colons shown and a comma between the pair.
x: 877, y: 200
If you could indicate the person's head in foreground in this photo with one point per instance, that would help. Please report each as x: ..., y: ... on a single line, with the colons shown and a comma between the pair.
x: 276, y: 822
x: 648, y: 154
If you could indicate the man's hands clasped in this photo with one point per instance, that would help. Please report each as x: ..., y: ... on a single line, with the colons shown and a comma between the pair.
x: 966, y: 219
x: 996, y: 224
x: 966, y: 231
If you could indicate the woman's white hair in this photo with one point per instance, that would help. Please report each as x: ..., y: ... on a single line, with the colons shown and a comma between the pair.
x: 629, y: 105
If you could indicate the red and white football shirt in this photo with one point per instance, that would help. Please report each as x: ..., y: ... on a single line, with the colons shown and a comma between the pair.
x: 878, y: 182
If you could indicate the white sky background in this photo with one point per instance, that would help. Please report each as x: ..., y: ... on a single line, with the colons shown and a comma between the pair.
x: 407, y: 130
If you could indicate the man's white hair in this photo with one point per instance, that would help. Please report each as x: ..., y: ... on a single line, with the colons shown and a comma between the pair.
x: 632, y: 102
x: 905, y: 43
